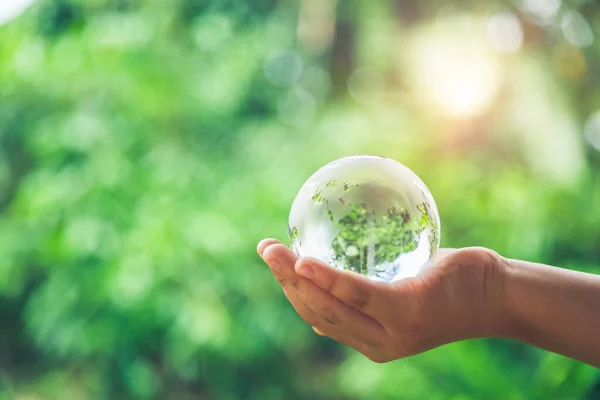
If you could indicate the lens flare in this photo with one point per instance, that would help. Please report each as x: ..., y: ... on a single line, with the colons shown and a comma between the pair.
x: 10, y: 10
x: 504, y: 32
x: 454, y: 69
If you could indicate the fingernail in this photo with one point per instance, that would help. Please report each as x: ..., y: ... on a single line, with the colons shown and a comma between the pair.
x: 306, y: 271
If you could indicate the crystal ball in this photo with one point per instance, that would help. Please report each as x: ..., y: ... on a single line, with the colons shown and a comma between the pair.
x: 366, y: 214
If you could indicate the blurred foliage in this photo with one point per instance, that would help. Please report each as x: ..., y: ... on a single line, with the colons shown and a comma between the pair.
x: 146, y: 146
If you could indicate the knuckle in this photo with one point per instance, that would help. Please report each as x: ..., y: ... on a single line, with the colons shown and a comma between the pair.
x: 358, y: 300
x: 309, y: 319
x: 480, y: 255
x: 287, y: 282
x: 350, y: 293
x: 282, y: 281
x: 330, y: 284
x: 330, y: 317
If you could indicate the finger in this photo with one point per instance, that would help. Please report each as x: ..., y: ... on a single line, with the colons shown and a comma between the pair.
x: 264, y: 244
x: 435, y: 261
x: 318, y: 332
x: 339, y: 314
x: 370, y: 298
x: 281, y: 261
x: 278, y: 256
x: 439, y: 255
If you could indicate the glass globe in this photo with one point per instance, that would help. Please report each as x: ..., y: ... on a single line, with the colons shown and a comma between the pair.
x: 367, y: 214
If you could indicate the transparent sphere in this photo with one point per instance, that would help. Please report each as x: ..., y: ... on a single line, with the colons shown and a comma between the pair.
x: 366, y: 214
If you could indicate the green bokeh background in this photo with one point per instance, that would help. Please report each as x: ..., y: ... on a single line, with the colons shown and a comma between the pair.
x: 147, y: 146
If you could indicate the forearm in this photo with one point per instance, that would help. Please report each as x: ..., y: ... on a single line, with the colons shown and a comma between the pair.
x: 554, y: 309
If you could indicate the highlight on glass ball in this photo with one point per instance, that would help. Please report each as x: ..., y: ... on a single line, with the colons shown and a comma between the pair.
x: 366, y: 214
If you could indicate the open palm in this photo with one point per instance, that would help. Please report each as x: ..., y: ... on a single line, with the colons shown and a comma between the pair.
x: 454, y: 297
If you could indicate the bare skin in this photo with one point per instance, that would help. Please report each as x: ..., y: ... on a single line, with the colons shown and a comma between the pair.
x: 461, y: 294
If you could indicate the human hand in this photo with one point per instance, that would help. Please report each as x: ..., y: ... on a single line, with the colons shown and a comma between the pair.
x: 458, y: 295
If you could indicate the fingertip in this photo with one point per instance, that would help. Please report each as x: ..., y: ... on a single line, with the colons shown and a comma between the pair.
x: 263, y: 244
x: 318, y: 332
x: 304, y: 269
x: 277, y: 251
x: 300, y: 263
x: 437, y: 258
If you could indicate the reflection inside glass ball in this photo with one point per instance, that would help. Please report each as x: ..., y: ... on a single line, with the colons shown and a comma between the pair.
x: 366, y: 214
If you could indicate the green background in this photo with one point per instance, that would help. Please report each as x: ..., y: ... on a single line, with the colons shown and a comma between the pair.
x: 147, y: 146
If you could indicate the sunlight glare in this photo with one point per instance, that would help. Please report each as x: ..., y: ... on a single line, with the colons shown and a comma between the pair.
x: 11, y: 9
x: 454, y: 69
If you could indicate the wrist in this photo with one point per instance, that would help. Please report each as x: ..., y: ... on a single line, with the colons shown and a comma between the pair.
x: 479, y: 305
x: 497, y: 319
x: 510, y: 320
x: 521, y: 306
